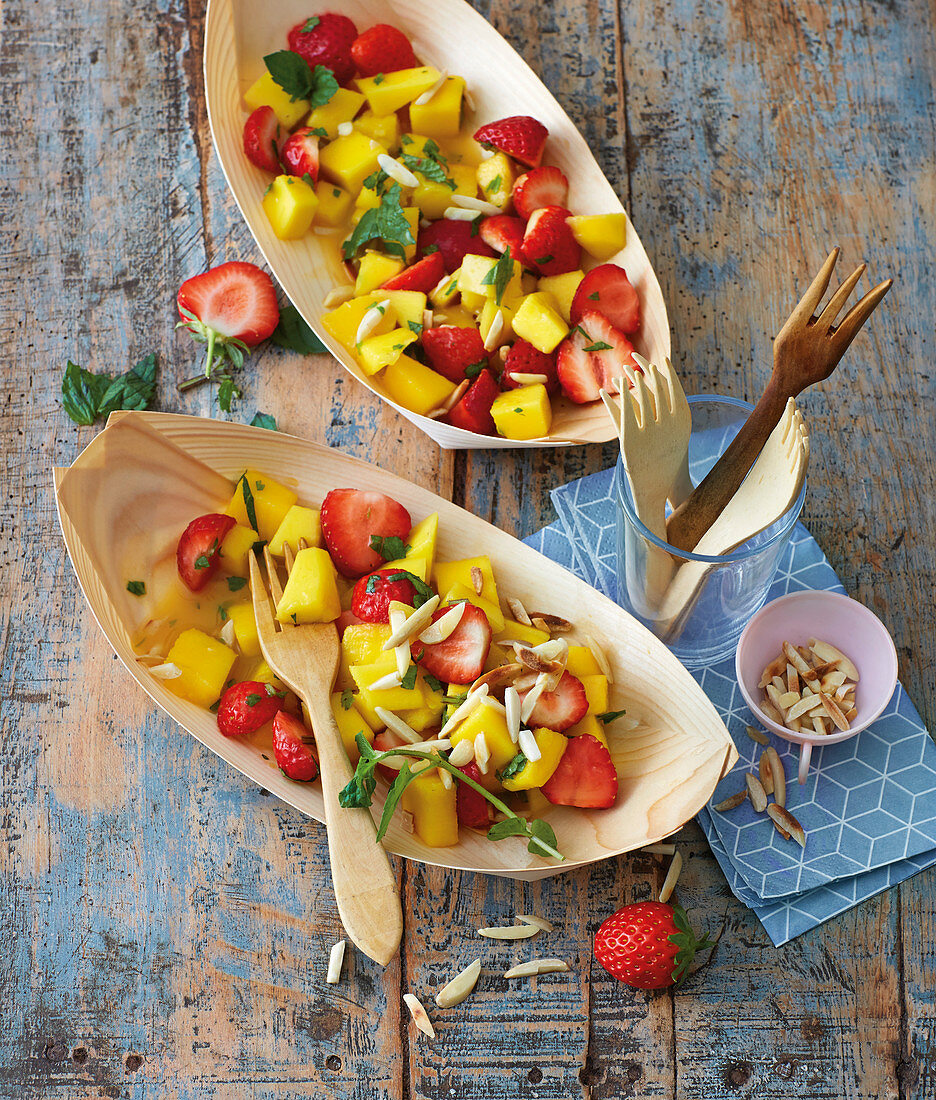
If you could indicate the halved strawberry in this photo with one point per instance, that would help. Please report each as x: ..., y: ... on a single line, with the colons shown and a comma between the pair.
x: 300, y: 153
x: 562, y: 708
x: 383, y: 742
x: 454, y: 239
x: 198, y: 551
x: 586, y: 776
x: 244, y: 707
x: 546, y: 186
x: 452, y: 350
x: 460, y: 658
x: 372, y: 594
x: 548, y: 243
x: 519, y: 136
x: 326, y: 40
x: 523, y: 358
x: 501, y: 231
x: 351, y: 518
x: 344, y: 620
x: 422, y: 275
x: 292, y: 747
x: 262, y: 134
x: 607, y: 289
x: 470, y: 805
x: 592, y: 357
x: 473, y: 412
x: 382, y: 49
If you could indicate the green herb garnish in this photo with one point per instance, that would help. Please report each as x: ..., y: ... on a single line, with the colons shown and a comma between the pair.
x: 86, y: 395
x: 499, y: 275
x: 264, y: 420
x: 294, y: 333
x: 387, y: 222
x: 599, y: 345
x: 610, y: 715
x: 295, y: 76
x: 249, y: 506
x: 347, y: 699
x: 136, y: 588
x: 235, y: 584
x: 409, y: 680
x: 389, y: 547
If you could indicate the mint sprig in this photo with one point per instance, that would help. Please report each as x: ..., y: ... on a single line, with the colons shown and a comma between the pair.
x: 87, y: 396
x: 386, y: 223
x: 499, y: 275
x: 299, y: 80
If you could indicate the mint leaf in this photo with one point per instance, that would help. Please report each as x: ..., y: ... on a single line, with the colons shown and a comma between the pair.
x: 409, y: 680
x: 394, y: 795
x: 594, y: 297
x: 513, y: 766
x: 86, y: 395
x: 294, y: 333
x: 511, y: 826
x: 253, y: 698
x: 133, y: 390
x: 264, y: 420
x: 82, y: 392
x: 228, y: 392
x: 389, y: 547
x: 610, y: 715
x: 347, y: 699
x: 299, y: 80
x: 387, y: 223
x: 474, y: 369
x: 499, y: 275
x: 542, y: 835
x: 360, y: 790
x: 235, y: 584
x: 136, y: 588
x: 249, y: 506
x: 428, y: 167
x: 432, y: 682
x: 599, y: 345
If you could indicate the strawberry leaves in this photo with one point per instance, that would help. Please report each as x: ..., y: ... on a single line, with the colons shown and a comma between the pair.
x: 687, y: 943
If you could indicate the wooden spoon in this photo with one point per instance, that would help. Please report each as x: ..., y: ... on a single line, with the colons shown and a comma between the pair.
x: 807, y: 350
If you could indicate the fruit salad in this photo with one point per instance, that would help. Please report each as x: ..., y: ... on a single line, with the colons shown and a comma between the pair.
x: 485, y: 713
x: 474, y: 294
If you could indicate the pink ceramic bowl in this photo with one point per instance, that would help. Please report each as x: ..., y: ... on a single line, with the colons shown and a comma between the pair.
x: 846, y: 624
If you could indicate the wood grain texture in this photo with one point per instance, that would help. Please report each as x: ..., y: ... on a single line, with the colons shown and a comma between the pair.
x: 166, y: 923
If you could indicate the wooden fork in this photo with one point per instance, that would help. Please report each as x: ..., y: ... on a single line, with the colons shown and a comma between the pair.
x: 305, y: 658
x: 807, y: 350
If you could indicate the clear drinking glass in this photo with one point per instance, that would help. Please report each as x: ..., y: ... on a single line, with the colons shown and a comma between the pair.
x: 708, y: 600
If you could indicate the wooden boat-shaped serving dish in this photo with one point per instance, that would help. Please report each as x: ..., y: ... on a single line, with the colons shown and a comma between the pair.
x: 450, y: 35
x: 126, y: 498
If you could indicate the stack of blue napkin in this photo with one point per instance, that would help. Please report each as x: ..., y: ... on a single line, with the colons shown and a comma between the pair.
x: 869, y: 805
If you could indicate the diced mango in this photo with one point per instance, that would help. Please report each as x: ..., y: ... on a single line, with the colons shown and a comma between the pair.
x: 368, y: 198
x: 432, y: 805
x: 382, y: 128
x: 454, y: 691
x: 535, y: 773
x: 590, y: 725
x: 455, y: 315
x: 432, y: 698
x: 523, y: 413
x: 422, y: 540
x: 377, y: 352
x: 342, y: 107
x: 497, y: 657
x: 205, y: 663
x: 334, y: 204
x: 262, y: 672
x: 537, y: 803
x: 245, y: 628
x: 472, y: 301
x: 298, y: 523
x: 349, y: 160
x: 562, y: 288
x: 350, y: 723
x: 517, y: 632
x: 419, y: 567
x: 462, y: 149
x: 596, y: 692
x: 265, y: 92
x: 581, y: 662
x: 447, y: 573
x: 362, y: 643
x: 441, y: 116
x: 431, y: 197
x: 445, y: 292
x: 485, y: 719
x: 343, y: 322
x: 411, y: 213
x: 486, y: 320
x: 394, y: 698
x: 463, y: 176
x: 460, y: 592
x: 495, y: 177
x: 477, y: 274
x: 311, y: 592
x: 420, y: 719
x: 235, y: 550
x: 538, y: 321
x: 601, y: 235
x: 374, y: 270
x: 408, y: 305
x: 269, y: 500
x: 415, y: 144
x: 414, y: 386
x: 388, y: 92
x: 290, y: 204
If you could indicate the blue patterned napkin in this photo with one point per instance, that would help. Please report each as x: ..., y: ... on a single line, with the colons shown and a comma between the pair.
x: 869, y: 805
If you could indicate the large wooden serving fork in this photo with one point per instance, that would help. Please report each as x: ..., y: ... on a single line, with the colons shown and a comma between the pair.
x: 305, y: 658
x: 806, y: 350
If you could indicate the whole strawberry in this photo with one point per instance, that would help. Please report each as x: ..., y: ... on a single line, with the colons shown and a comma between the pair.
x: 372, y: 595
x: 647, y: 945
x: 326, y: 40
x: 292, y: 747
x: 382, y: 49
x: 244, y: 707
x: 457, y: 353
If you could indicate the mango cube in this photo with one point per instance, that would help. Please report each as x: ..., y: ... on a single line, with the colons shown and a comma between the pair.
x: 342, y: 107
x: 411, y: 213
x: 523, y: 413
x: 268, y: 500
x: 374, y: 270
x: 334, y: 204
x: 485, y: 719
x: 261, y: 671
x: 462, y: 149
x: 349, y: 160
x: 432, y: 805
x: 419, y: 567
x: 581, y: 662
x: 414, y: 386
x: 363, y: 643
x: 445, y: 292
x: 298, y: 523
x: 343, y: 322
x: 408, y: 305
x: 441, y: 116
x: 497, y: 657
x: 447, y: 573
x: 394, y: 698
x: 562, y: 288
x: 382, y: 128
x: 431, y: 197
x: 494, y: 614
x: 290, y: 204
x: 495, y: 178
x: 350, y: 723
x: 592, y: 726
x: 601, y: 235
x: 377, y: 352
x: 205, y: 663
x: 455, y: 315
x: 265, y: 92
x: 463, y: 176
x: 538, y: 321
x: 422, y: 539
x: 388, y: 92
x: 517, y: 632
x: 245, y: 628
x: 477, y: 274
x: 235, y: 550
x: 596, y: 692
x: 472, y: 301
x: 486, y: 318
x: 535, y: 773
x: 311, y: 592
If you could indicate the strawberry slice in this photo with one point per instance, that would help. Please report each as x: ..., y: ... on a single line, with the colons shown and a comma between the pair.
x: 372, y: 595
x: 591, y: 357
x: 453, y: 351
x: 460, y: 658
x: 300, y: 153
x: 351, y: 518
x: 501, y: 232
x: 562, y: 708
x: 244, y: 707
x: 548, y: 243
x: 198, y: 552
x: 473, y: 412
x: 454, y: 240
x: 540, y: 187
x: 586, y: 776
x: 326, y: 39
x: 519, y: 136
x: 292, y: 747
x: 607, y: 289
x: 523, y: 358
x: 262, y: 134
x: 383, y: 742
x: 422, y: 275
x: 382, y: 49
x: 470, y: 805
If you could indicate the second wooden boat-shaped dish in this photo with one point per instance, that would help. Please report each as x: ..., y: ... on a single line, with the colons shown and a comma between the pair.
x: 128, y: 496
x: 450, y: 35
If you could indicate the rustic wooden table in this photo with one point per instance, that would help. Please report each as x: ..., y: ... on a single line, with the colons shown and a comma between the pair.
x: 164, y: 920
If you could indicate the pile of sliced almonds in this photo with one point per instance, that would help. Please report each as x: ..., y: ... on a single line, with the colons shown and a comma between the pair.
x: 771, y: 780
x: 810, y: 688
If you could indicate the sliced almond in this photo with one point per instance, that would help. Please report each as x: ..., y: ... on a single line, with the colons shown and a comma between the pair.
x: 371, y: 319
x: 536, y: 966
x: 532, y: 697
x: 756, y: 735
x: 777, y: 774
x: 763, y: 768
x: 462, y: 711
x: 528, y: 745
x: 344, y: 129
x: 788, y: 698
x: 446, y: 778
x: 497, y: 677
x: 335, y: 959
x: 540, y: 623
x: 166, y: 671
x: 385, y: 683
x: 821, y: 668
x: 600, y: 657
x: 660, y: 849
x: 482, y: 753
x: 512, y: 712
x: 672, y: 877
x: 525, y: 682
x: 401, y: 652
x: 397, y: 171
x: 782, y: 817
x: 443, y: 627
x: 337, y: 296
x: 399, y: 727
x: 780, y: 684
x: 414, y: 625
x: 533, y: 660
x: 524, y: 379
x: 497, y: 325
x: 792, y: 679
x: 494, y: 704
x: 460, y: 987
x: 834, y: 711
x: 732, y: 801
x: 794, y: 657
x: 510, y: 932
x: 479, y: 206
x: 463, y: 753
x: 756, y: 792
x: 477, y: 580
x: 541, y: 923
x: 832, y: 680
x: 228, y: 635
x: 518, y: 611
x: 803, y: 706
x: 772, y: 713
x: 423, y: 99
x: 776, y: 666
x: 818, y: 724
x: 850, y: 713
x: 828, y: 652
x: 419, y: 1014
x: 774, y: 695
